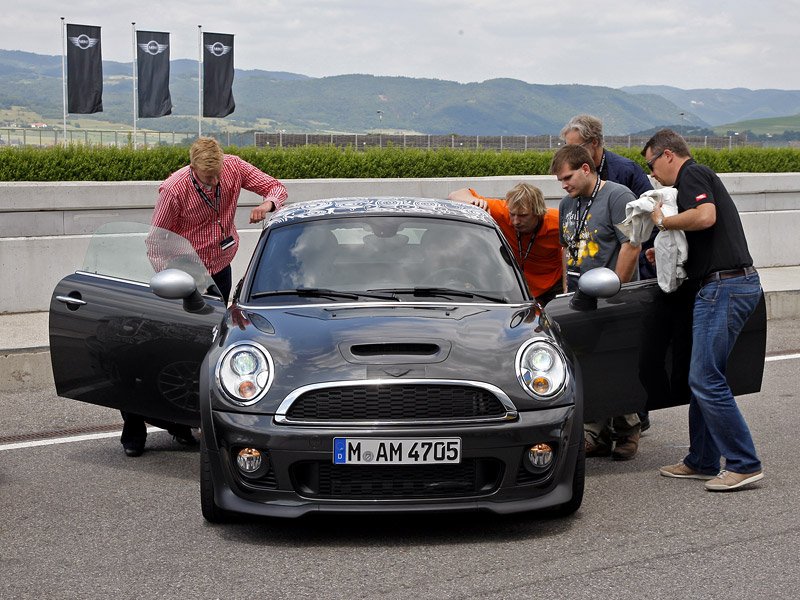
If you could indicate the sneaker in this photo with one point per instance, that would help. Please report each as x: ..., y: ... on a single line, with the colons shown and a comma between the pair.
x: 726, y: 481
x: 626, y: 447
x: 593, y: 449
x: 681, y: 471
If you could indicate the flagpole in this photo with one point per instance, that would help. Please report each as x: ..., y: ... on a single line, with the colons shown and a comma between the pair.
x: 133, y: 27
x: 200, y: 81
x: 64, y: 76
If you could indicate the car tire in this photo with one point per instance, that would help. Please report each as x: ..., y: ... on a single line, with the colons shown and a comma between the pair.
x: 211, y: 512
x: 578, y: 483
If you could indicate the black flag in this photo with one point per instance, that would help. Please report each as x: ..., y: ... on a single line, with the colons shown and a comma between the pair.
x: 84, y: 70
x: 152, y: 72
x: 217, y: 75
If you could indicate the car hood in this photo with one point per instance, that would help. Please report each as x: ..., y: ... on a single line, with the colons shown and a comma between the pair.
x: 317, y: 344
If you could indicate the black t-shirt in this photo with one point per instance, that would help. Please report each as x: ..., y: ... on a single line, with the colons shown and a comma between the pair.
x: 723, y: 245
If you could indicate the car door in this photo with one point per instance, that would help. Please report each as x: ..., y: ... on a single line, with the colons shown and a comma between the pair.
x: 614, y: 343
x: 115, y: 343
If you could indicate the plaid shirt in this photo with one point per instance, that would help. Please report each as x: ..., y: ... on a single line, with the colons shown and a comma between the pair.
x: 182, y: 210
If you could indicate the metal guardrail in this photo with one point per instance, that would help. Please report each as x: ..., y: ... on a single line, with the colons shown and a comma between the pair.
x: 47, y: 136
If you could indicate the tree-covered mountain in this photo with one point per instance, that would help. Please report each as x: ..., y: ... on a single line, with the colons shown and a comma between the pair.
x: 717, y: 107
x: 272, y: 101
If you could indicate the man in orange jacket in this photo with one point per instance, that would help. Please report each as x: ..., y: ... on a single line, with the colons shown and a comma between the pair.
x: 531, y: 230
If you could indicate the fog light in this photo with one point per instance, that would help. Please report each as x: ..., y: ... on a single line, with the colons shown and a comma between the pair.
x: 249, y: 460
x: 540, y: 456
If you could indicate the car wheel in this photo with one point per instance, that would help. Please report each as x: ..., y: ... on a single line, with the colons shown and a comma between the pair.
x: 578, y: 481
x: 211, y: 512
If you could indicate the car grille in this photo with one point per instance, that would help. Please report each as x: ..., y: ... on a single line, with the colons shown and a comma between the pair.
x: 322, y: 479
x: 396, y: 402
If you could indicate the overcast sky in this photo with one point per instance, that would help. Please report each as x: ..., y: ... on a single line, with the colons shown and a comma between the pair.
x: 682, y: 43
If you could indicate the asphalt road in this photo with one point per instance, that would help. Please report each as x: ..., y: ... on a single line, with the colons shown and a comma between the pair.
x: 80, y: 520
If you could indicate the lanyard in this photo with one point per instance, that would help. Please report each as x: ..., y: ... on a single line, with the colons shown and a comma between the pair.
x: 580, y: 221
x: 213, y: 206
x: 524, y: 257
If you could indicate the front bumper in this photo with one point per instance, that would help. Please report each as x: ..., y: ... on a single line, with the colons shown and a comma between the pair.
x: 302, y: 477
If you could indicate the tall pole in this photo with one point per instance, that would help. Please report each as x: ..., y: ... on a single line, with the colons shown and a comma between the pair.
x: 200, y: 81
x: 135, y: 80
x: 64, y: 74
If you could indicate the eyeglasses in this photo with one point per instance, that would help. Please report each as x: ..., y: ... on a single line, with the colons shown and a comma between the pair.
x: 654, y: 159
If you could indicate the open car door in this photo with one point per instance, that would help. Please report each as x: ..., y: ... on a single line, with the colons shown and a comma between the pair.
x: 113, y: 342
x: 612, y: 342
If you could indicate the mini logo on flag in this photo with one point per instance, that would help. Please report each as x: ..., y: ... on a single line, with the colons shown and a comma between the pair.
x: 218, y: 49
x: 153, y: 47
x: 700, y: 197
x: 84, y: 42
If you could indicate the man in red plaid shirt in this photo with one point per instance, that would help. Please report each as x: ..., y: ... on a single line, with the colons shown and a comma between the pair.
x: 198, y: 202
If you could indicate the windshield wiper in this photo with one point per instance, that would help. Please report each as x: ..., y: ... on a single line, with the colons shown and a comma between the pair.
x: 320, y: 293
x: 442, y: 291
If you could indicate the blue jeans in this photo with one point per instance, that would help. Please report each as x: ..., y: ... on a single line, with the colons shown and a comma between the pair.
x: 716, y: 426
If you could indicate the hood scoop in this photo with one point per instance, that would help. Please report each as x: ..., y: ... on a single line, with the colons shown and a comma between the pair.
x: 395, y: 352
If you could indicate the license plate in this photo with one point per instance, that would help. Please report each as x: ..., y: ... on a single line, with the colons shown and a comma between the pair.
x: 370, y: 451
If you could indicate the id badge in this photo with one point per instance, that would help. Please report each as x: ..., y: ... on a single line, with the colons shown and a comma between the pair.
x: 227, y: 242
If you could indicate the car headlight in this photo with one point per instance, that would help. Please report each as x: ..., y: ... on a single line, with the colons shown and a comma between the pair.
x: 541, y: 369
x: 244, y: 372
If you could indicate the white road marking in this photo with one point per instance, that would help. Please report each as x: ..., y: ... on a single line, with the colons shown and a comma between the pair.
x: 782, y: 357
x: 67, y: 439
x: 98, y: 436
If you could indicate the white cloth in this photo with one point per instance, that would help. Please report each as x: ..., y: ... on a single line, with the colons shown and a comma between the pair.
x: 670, y: 246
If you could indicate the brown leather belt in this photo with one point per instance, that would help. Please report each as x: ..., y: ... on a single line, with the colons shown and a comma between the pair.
x: 719, y: 275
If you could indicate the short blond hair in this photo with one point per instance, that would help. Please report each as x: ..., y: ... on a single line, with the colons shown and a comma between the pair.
x: 206, y: 155
x: 527, y: 197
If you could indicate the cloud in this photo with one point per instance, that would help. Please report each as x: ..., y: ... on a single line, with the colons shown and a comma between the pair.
x: 683, y: 43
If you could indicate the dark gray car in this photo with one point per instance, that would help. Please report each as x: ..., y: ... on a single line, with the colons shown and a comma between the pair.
x: 380, y: 354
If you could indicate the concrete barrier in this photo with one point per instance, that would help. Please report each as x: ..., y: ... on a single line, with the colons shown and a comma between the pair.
x: 45, y: 227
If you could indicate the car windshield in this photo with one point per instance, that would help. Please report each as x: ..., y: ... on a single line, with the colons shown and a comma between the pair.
x: 370, y: 257
x: 135, y: 252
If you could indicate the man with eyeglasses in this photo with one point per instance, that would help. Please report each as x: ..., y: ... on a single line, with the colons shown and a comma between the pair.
x: 588, y: 216
x: 720, y: 265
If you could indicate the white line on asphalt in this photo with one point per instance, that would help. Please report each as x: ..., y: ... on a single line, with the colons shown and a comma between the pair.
x: 66, y: 440
x: 98, y: 436
x: 781, y: 357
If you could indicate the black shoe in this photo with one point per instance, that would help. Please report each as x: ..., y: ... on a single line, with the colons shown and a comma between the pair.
x: 183, y: 435
x: 133, y: 450
x: 644, y: 418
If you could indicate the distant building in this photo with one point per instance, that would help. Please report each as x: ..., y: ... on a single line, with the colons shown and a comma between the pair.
x: 38, y: 125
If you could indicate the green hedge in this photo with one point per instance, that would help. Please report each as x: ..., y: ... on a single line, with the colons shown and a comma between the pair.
x: 88, y: 163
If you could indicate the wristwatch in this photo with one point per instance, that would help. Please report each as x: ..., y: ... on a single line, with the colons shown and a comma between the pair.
x: 660, y: 223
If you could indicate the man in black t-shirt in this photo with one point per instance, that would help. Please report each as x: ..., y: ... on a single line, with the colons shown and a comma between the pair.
x: 720, y: 265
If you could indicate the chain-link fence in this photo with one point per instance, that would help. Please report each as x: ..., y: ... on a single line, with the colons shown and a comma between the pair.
x: 358, y: 141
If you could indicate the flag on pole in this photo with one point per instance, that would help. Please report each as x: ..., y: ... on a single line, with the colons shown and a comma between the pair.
x: 152, y: 72
x: 217, y: 75
x: 84, y: 70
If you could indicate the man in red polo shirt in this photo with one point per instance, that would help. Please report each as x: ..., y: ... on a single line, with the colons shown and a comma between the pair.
x: 531, y: 230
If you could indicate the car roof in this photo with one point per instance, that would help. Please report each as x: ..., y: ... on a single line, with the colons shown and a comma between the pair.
x: 383, y: 205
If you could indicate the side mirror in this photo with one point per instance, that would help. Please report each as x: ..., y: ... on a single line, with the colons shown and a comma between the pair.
x: 596, y: 283
x: 174, y: 284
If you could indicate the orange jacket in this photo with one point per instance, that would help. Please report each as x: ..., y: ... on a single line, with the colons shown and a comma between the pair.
x: 542, y: 267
